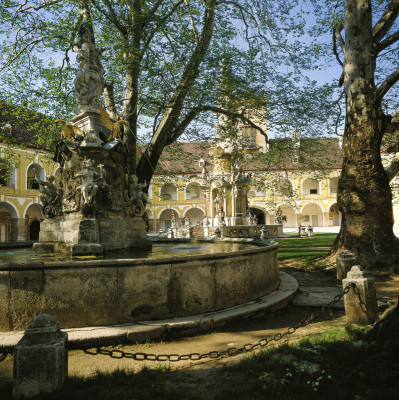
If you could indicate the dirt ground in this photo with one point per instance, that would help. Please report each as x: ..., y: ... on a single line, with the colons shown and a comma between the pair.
x: 235, y: 334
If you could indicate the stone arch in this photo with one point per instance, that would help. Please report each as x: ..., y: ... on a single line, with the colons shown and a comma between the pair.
x: 311, y: 186
x: 192, y: 191
x: 284, y: 188
x: 196, y: 216
x: 33, y: 216
x: 333, y: 185
x: 312, y: 214
x: 164, y: 218
x: 335, y: 216
x: 168, y: 191
x: 7, y: 174
x: 32, y: 171
x: 289, y: 215
x: 8, y: 230
x: 259, y: 214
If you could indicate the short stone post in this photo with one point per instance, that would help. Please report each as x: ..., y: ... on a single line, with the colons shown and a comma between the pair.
x: 40, y: 359
x: 263, y: 232
x: 365, y: 309
x: 345, y: 261
x: 218, y: 232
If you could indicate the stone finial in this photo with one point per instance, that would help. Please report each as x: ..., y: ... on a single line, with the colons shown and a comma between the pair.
x: 345, y: 261
x: 40, y: 359
x: 361, y: 302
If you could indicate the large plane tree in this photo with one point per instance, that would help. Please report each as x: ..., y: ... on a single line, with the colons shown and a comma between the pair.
x: 162, y: 61
x: 367, y: 34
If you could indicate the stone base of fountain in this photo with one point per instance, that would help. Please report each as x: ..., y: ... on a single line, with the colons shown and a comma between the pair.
x: 79, y: 235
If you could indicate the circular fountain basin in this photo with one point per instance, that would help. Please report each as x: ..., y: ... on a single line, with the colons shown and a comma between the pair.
x: 118, y: 289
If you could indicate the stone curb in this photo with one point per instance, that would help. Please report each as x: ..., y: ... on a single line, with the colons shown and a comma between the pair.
x: 143, y: 330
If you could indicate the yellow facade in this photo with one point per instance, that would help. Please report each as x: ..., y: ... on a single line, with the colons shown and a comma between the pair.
x: 304, y: 206
x: 20, y: 209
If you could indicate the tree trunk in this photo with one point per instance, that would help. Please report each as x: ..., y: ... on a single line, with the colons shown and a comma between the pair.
x: 364, y: 194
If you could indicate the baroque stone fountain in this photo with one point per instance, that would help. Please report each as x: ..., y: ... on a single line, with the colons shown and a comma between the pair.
x: 97, y: 207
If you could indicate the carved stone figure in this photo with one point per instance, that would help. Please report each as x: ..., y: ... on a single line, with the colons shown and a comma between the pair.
x: 89, y: 81
x: 70, y: 203
x: 50, y: 197
x: 173, y: 219
x: 90, y: 181
x: 278, y: 219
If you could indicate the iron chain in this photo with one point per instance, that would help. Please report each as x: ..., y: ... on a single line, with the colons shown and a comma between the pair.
x: 232, y: 351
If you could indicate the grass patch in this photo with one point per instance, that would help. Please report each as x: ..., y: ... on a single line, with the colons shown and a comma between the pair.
x: 305, y: 249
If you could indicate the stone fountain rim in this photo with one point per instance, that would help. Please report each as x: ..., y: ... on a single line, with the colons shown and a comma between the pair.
x: 264, y: 244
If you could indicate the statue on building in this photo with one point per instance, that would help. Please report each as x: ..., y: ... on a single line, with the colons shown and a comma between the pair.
x: 278, y: 219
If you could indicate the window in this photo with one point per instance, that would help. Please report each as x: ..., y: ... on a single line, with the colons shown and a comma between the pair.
x: 313, y: 191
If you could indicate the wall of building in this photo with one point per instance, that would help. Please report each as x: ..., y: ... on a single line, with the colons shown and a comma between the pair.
x: 20, y: 208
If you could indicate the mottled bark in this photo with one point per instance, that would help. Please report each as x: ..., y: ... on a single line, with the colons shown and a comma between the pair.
x: 364, y: 194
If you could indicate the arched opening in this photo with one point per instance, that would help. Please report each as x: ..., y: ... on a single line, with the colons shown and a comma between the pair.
x: 34, y: 229
x: 168, y: 191
x: 310, y: 186
x: 258, y: 214
x: 34, y: 173
x: 196, y: 216
x: 7, y: 213
x: 33, y: 216
x: 7, y: 174
x: 334, y: 215
x: 283, y: 188
x: 164, y: 219
x: 288, y: 216
x: 312, y: 215
x: 333, y: 185
x: 193, y: 191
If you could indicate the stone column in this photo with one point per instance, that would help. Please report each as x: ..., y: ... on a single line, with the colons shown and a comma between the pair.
x: 345, y: 261
x: 40, y: 359
x: 18, y: 230
x: 365, y: 309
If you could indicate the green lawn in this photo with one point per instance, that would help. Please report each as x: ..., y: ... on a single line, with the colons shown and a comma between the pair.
x: 306, y: 249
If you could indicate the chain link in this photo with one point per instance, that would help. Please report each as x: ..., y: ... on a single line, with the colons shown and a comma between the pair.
x: 232, y: 351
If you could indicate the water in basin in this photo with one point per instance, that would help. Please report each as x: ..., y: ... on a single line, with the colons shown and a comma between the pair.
x: 158, y: 250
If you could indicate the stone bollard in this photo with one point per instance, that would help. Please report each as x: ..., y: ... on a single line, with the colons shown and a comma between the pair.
x: 263, y: 232
x: 40, y: 359
x: 366, y: 310
x: 218, y: 233
x: 345, y: 261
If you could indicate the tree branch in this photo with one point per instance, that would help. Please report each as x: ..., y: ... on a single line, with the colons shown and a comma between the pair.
x: 32, y: 43
x: 386, y: 21
x: 179, y: 129
x: 388, y: 41
x: 387, y: 84
x: 111, y: 16
x: 191, y: 20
